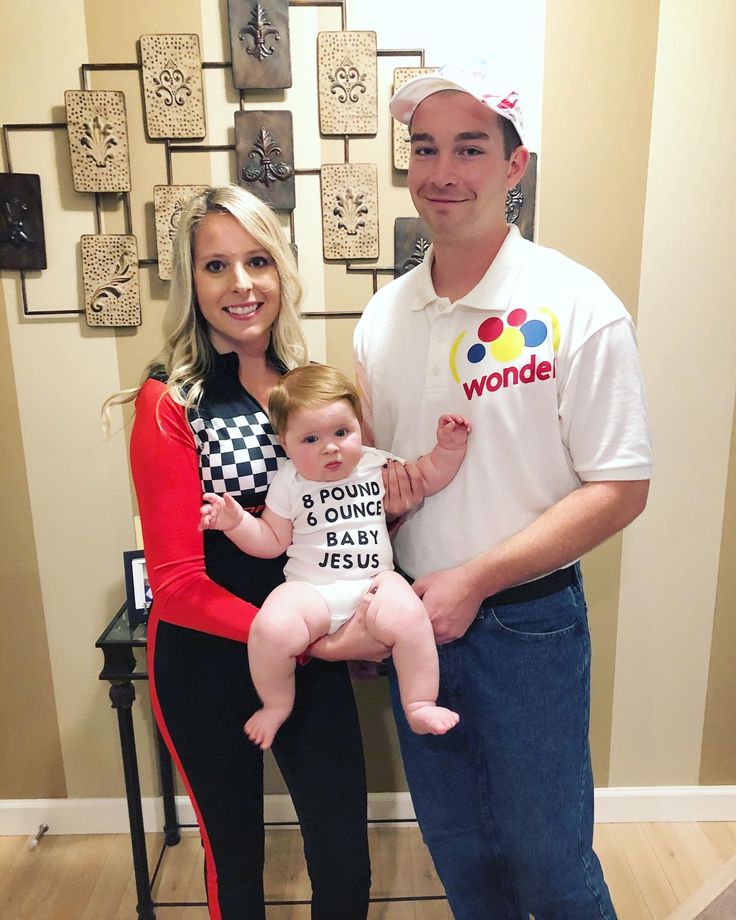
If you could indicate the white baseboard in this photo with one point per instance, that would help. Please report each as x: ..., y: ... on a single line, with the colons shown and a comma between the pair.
x: 110, y: 816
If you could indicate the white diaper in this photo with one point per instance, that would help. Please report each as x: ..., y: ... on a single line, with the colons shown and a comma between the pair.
x: 342, y: 599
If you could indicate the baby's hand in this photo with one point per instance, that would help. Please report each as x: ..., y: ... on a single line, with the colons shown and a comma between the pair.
x: 219, y: 512
x: 453, y: 431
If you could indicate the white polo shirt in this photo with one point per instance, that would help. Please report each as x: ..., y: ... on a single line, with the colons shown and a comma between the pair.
x: 540, y: 356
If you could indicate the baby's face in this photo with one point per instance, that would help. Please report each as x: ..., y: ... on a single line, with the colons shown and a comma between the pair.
x: 324, y: 442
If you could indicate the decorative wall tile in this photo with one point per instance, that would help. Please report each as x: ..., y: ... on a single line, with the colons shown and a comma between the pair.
x: 22, y: 245
x: 521, y: 201
x: 400, y: 131
x: 411, y: 242
x: 347, y: 82
x: 110, y: 271
x: 168, y: 202
x: 349, y: 210
x: 98, y: 140
x: 259, y: 43
x: 172, y: 86
x: 264, y: 147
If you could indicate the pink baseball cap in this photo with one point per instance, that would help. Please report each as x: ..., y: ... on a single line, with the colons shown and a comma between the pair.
x: 477, y: 79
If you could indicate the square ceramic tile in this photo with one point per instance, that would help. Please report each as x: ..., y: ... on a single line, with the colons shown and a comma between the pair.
x: 347, y: 82
x: 349, y: 210
x: 98, y: 140
x: 172, y: 86
x: 110, y: 272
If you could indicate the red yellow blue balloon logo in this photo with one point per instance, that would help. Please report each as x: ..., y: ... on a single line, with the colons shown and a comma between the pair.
x: 506, y: 340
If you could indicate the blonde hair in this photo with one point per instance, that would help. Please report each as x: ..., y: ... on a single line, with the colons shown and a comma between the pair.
x: 187, y: 354
x: 305, y: 387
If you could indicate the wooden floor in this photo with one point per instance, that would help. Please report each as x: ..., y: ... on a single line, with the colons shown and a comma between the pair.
x: 651, y: 869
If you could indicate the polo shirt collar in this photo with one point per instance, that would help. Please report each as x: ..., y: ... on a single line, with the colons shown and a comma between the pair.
x: 492, y: 292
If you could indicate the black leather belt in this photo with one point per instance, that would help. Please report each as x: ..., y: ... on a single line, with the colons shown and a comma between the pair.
x: 533, y: 590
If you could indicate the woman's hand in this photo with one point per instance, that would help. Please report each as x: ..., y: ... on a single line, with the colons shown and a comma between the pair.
x: 351, y: 642
x: 404, y: 488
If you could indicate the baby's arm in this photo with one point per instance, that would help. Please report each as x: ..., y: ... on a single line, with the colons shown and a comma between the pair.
x: 439, y: 467
x: 266, y: 536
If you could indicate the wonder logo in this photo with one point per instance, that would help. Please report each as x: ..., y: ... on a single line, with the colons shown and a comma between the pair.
x: 505, y: 341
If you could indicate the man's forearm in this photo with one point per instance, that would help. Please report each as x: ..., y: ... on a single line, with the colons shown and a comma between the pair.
x: 565, y: 532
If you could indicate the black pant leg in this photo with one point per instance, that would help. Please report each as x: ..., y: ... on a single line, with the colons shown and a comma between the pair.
x: 203, y: 694
x: 320, y: 754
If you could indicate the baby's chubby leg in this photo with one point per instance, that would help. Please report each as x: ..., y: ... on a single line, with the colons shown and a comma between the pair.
x: 397, y: 617
x: 291, y: 618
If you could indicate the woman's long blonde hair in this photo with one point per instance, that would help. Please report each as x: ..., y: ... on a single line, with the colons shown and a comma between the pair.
x: 188, y: 354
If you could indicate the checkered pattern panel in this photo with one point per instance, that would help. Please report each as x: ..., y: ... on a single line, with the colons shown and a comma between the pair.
x: 237, y: 455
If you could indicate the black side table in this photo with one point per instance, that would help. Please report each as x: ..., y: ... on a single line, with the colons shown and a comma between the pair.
x: 117, y: 643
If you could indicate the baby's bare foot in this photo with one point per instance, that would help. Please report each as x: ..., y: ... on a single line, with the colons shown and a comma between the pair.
x: 262, y: 726
x: 432, y: 720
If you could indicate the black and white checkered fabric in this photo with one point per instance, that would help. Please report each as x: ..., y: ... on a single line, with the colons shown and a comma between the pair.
x: 237, y: 455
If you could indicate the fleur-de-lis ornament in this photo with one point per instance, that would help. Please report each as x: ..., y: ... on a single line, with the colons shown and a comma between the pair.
x: 114, y: 288
x: 417, y: 255
x: 260, y: 29
x: 99, y: 140
x: 172, y: 85
x: 350, y: 209
x: 175, y: 215
x: 269, y: 168
x: 514, y: 204
x: 13, y: 212
x: 347, y: 82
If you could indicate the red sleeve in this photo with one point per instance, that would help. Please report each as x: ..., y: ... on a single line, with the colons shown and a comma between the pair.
x: 165, y: 469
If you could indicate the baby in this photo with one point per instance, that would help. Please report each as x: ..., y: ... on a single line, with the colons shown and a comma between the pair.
x: 324, y: 508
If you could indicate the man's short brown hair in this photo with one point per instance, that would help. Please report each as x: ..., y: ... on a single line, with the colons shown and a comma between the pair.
x: 511, y: 139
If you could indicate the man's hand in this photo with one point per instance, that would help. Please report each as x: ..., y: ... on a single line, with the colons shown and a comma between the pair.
x: 451, y: 601
x: 404, y: 488
x: 219, y: 512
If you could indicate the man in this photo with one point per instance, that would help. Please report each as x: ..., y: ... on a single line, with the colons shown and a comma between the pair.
x: 541, y: 357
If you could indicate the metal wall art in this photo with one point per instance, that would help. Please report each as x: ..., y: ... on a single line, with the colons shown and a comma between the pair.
x: 98, y: 140
x: 170, y: 69
x: 22, y: 245
x: 349, y: 210
x: 521, y: 201
x: 401, y: 146
x: 347, y: 82
x: 168, y: 203
x: 172, y: 86
x: 411, y: 242
x: 264, y: 147
x: 259, y: 43
x: 110, y: 271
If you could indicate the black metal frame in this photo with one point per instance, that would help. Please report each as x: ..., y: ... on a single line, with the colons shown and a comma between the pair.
x: 169, y: 149
x: 119, y: 670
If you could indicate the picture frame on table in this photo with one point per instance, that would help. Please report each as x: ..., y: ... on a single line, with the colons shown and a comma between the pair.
x: 137, y: 588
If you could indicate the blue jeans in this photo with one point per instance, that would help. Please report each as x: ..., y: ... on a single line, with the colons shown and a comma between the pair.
x: 505, y: 799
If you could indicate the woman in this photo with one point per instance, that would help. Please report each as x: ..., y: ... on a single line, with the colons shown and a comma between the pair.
x: 231, y: 331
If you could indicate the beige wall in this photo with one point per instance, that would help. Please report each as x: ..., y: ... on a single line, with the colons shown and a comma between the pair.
x: 78, y: 507
x: 626, y: 175
x: 672, y: 557
x: 594, y: 155
x: 27, y: 698
x: 719, y: 738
